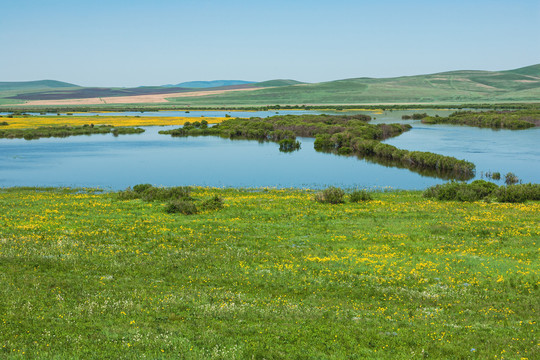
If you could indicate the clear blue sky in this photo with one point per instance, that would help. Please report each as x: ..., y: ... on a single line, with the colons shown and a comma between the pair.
x: 131, y: 43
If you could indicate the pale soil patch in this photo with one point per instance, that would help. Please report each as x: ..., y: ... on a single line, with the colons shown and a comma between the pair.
x: 135, y: 99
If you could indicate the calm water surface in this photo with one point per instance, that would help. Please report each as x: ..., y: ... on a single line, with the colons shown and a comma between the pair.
x: 117, y: 162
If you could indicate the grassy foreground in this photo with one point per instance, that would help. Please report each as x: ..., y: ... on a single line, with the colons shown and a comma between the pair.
x: 272, y: 275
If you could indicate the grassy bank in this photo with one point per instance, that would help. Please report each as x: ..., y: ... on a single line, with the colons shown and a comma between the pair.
x: 273, y: 274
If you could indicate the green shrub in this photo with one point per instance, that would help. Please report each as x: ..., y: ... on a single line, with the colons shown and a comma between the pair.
x: 214, y: 203
x: 360, y: 195
x: 155, y: 193
x: 496, y: 176
x: 511, y: 179
x: 484, y: 190
x: 181, y: 206
x: 457, y: 191
x: 331, y: 195
x: 141, y: 187
x: 518, y: 193
x: 289, y: 145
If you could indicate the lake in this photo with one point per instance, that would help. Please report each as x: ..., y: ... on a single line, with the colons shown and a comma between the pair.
x: 112, y: 162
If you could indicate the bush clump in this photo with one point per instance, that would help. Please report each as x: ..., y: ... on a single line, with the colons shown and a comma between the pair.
x: 483, y: 190
x: 178, y: 198
x: 214, y: 203
x: 181, y: 206
x: 360, y: 195
x: 511, y: 179
x: 518, y: 193
x: 331, y: 195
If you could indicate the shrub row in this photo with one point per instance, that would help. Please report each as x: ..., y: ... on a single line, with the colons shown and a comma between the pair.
x: 483, y: 190
x: 178, y: 198
x: 411, y: 159
x: 65, y: 131
x: 513, y: 120
x: 414, y: 116
x: 335, y: 195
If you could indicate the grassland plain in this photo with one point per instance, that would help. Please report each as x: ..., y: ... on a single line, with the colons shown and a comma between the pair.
x: 272, y: 275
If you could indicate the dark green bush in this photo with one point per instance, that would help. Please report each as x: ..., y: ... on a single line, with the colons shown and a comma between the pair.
x: 155, y: 193
x: 483, y: 190
x: 214, y: 203
x: 511, y: 179
x: 182, y: 207
x: 458, y: 191
x: 360, y: 195
x: 496, y: 176
x: 141, y: 187
x: 288, y: 145
x: 518, y: 193
x: 331, y: 195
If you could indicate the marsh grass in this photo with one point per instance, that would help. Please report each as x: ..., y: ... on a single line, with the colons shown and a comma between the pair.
x: 271, y: 276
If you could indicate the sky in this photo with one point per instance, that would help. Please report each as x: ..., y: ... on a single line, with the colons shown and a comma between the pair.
x: 133, y: 43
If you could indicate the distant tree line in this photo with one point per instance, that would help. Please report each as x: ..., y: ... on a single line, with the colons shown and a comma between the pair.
x: 65, y: 131
x: 512, y: 120
x: 183, y: 107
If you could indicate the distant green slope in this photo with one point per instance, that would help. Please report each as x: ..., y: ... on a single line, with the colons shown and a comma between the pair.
x: 210, y: 84
x: 278, y: 82
x: 533, y: 70
x: 35, y: 85
x: 448, y: 87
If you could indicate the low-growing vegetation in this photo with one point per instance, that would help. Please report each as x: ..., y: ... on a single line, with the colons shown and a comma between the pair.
x: 331, y: 195
x: 65, y: 131
x: 480, y: 190
x: 343, y: 134
x: 178, y: 198
x: 512, y: 120
x: 416, y: 116
x: 272, y: 275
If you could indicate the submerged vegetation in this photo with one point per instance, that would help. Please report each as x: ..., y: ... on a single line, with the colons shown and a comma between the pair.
x: 342, y: 134
x: 272, y: 275
x: 65, y: 131
x: 512, y: 120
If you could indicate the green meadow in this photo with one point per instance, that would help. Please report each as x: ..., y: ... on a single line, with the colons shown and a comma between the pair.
x: 272, y: 275
x: 454, y: 87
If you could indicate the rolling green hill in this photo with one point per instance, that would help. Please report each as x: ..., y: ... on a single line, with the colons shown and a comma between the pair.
x: 448, y: 87
x: 210, y: 84
x: 278, y: 82
x: 452, y: 87
x: 35, y: 85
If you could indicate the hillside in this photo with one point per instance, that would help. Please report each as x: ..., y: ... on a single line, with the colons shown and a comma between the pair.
x: 448, y: 87
x: 210, y: 84
x: 452, y: 87
x: 35, y: 85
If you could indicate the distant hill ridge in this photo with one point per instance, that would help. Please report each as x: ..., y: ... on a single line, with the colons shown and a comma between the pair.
x: 39, y: 84
x: 210, y: 84
x: 459, y: 86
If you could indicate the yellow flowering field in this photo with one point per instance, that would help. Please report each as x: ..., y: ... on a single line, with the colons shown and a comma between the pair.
x: 23, y: 122
x: 272, y: 275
